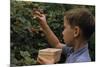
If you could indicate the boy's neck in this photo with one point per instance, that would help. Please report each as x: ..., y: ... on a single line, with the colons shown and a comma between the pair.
x: 79, y: 44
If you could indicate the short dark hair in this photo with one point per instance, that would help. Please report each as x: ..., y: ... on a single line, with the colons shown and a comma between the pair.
x: 83, y: 18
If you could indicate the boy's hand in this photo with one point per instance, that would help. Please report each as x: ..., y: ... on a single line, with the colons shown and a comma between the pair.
x: 42, y: 60
x: 38, y: 14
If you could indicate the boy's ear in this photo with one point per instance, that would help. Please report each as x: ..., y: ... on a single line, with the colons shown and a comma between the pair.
x: 76, y: 31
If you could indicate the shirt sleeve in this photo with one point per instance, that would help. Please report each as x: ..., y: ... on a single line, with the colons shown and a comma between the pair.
x: 66, y: 50
x: 64, y: 54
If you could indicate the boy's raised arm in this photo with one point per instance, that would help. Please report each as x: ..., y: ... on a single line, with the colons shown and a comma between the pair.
x: 51, y: 37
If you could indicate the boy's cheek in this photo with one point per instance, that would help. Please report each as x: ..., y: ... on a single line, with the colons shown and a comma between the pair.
x: 68, y: 37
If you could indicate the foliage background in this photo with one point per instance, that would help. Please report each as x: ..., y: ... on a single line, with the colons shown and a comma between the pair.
x: 26, y: 35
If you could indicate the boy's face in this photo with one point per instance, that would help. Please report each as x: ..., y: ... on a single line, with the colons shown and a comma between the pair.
x: 68, y: 33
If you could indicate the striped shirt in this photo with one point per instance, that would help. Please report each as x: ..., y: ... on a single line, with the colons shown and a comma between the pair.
x: 81, y: 55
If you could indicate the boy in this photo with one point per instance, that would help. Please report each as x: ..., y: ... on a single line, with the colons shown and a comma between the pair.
x: 79, y: 25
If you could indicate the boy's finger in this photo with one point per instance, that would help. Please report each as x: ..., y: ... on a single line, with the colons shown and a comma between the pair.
x: 37, y: 13
x: 41, y: 11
